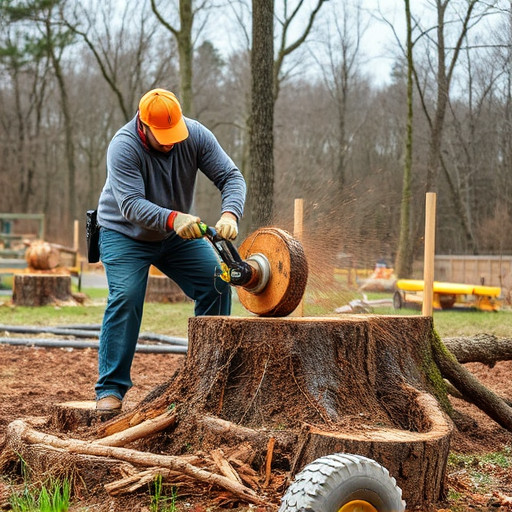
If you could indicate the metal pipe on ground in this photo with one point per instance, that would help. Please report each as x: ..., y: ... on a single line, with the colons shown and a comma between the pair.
x: 56, y: 343
x: 88, y: 332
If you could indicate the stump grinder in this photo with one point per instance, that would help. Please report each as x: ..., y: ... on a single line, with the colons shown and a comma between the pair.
x: 269, y: 270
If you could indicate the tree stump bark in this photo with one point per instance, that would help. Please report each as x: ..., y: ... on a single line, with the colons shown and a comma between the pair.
x: 40, y: 289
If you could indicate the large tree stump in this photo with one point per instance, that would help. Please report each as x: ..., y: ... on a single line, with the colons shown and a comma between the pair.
x: 40, y: 289
x: 316, y: 385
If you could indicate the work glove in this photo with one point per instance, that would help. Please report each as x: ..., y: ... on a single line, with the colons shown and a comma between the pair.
x: 185, y: 225
x: 227, y: 226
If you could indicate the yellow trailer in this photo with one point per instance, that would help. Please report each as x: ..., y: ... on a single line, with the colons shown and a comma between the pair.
x: 447, y: 295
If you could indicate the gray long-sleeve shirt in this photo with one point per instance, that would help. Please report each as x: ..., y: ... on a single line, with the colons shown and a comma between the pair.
x: 143, y: 186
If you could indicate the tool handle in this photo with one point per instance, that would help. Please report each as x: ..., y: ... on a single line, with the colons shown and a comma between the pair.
x: 206, y: 230
x: 225, y: 249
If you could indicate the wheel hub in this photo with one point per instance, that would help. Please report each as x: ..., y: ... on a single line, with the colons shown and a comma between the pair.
x: 358, y: 506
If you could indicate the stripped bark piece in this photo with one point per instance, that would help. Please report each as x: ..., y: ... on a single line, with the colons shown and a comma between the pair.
x: 268, y: 461
x: 146, y: 428
x: 224, y: 466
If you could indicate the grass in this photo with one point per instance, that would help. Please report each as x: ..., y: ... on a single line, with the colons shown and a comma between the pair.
x: 159, y: 501
x: 479, y: 471
x: 501, y: 459
x: 172, y: 319
x: 54, y: 496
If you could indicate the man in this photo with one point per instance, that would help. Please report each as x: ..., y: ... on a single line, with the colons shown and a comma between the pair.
x: 143, y: 211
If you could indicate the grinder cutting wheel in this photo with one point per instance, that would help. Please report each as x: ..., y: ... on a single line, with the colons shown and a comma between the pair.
x: 269, y: 270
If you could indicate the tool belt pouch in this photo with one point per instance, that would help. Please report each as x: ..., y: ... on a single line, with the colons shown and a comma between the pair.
x: 92, y: 233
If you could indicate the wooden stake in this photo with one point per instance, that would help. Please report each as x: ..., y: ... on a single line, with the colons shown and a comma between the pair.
x: 76, y: 243
x: 298, y: 226
x: 76, y: 235
x: 298, y: 218
x: 428, y: 265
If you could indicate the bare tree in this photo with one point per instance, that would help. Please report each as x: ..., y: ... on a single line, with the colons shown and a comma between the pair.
x: 447, y: 57
x: 183, y: 35
x: 26, y: 69
x: 290, y: 13
x: 126, y: 56
x: 403, y: 262
x: 340, y: 74
x: 53, y: 39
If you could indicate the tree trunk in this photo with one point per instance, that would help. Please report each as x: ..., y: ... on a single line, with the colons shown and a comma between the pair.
x: 261, y: 182
x: 69, y: 126
x: 404, y: 257
x: 185, y: 51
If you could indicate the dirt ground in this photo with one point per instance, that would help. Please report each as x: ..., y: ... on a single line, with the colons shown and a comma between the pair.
x: 33, y: 379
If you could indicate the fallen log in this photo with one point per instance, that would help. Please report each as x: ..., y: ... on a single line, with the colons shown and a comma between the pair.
x: 19, y: 429
x: 482, y: 348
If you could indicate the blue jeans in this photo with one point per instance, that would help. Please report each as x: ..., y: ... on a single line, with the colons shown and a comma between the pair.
x: 192, y: 264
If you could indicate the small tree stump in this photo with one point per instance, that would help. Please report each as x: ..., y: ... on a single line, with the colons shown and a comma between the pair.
x: 41, y: 289
x: 162, y: 289
x: 70, y: 416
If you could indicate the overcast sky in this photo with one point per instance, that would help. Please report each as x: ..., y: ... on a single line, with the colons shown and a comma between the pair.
x: 379, y: 41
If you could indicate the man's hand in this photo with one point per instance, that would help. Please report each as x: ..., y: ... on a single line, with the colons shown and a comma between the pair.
x: 227, y: 226
x: 186, y: 226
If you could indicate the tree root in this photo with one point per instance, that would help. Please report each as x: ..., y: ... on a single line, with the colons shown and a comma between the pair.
x: 21, y: 430
x: 467, y: 384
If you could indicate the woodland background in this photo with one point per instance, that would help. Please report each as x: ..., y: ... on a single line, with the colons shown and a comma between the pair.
x: 359, y: 149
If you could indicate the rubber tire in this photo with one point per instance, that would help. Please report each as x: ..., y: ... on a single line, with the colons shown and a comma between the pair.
x: 329, y: 482
x: 398, y: 302
x: 447, y: 301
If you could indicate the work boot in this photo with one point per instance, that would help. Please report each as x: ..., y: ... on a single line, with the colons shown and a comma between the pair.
x: 109, y: 404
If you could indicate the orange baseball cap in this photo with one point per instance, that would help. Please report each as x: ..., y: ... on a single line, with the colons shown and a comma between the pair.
x: 161, y: 111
